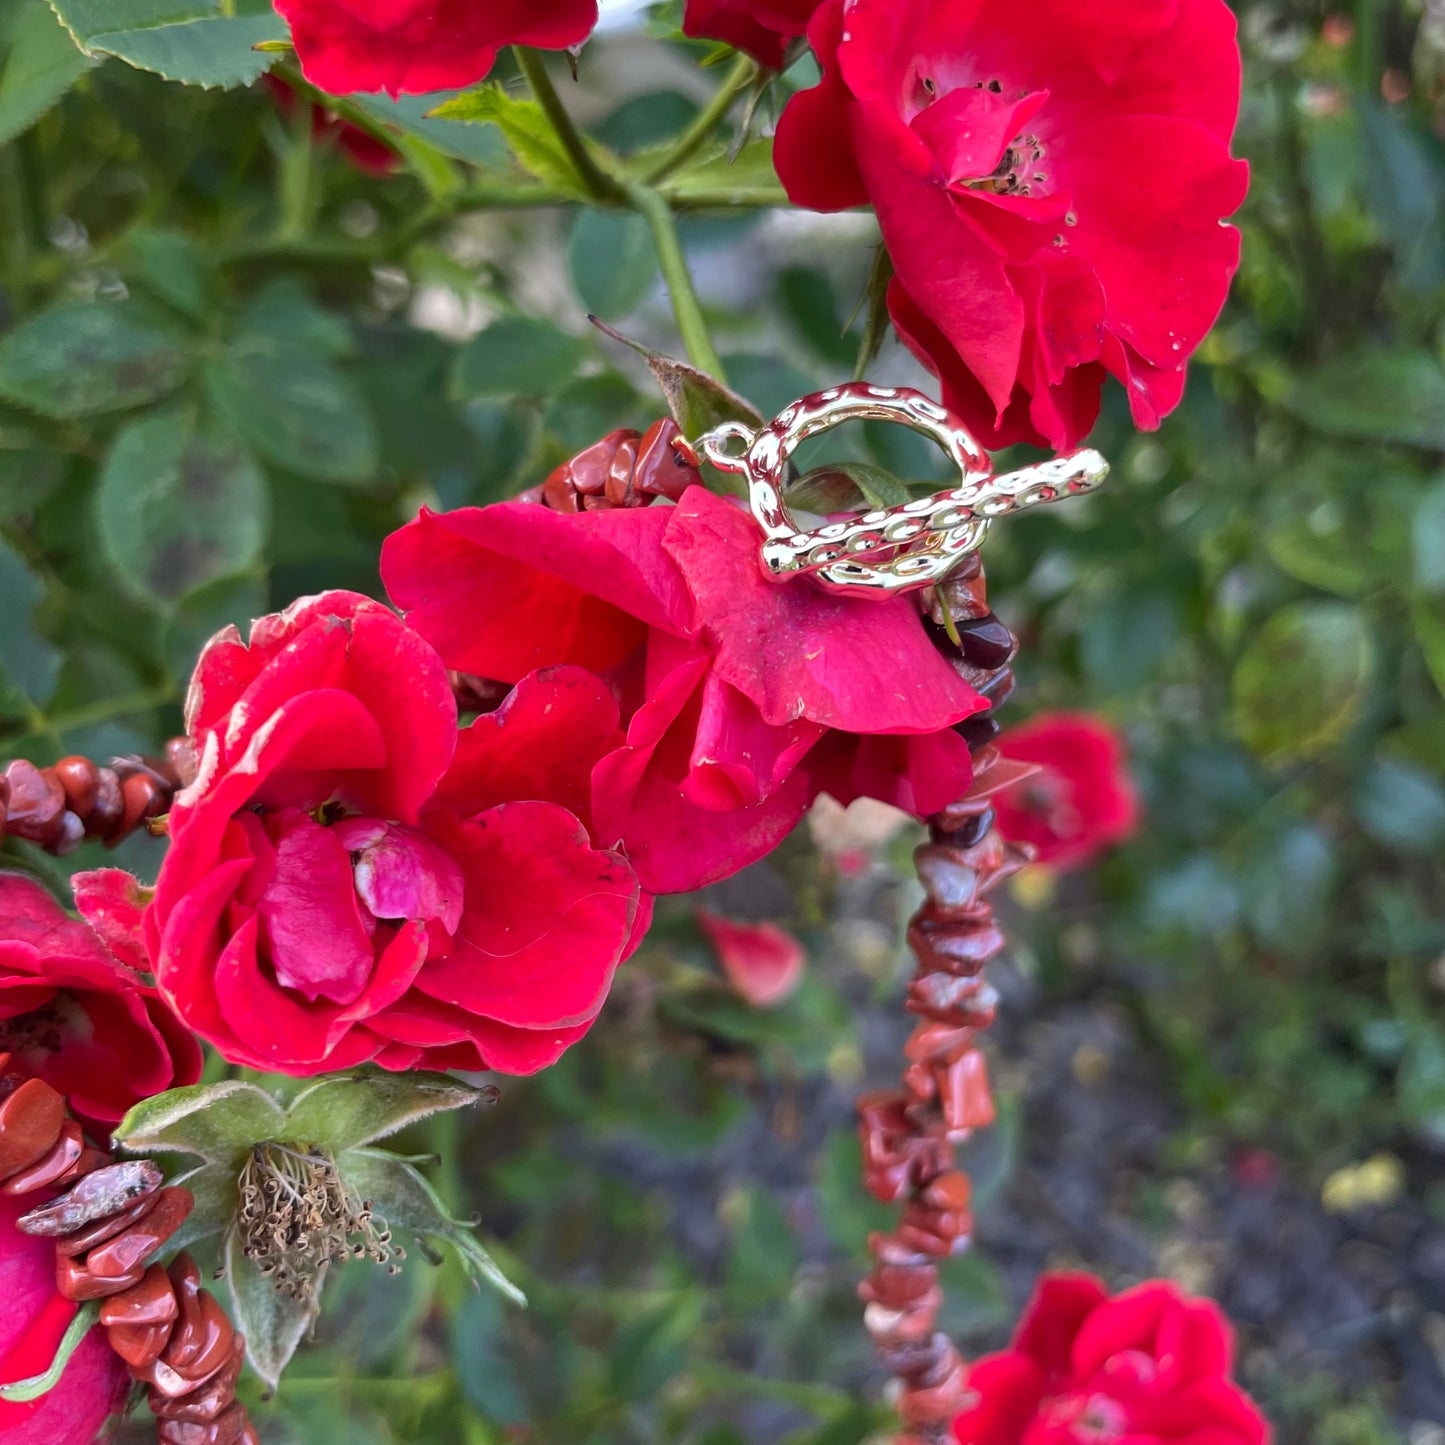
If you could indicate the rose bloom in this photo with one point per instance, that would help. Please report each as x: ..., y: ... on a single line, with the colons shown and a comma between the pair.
x: 741, y: 698
x: 1150, y: 1366
x: 1081, y: 800
x: 1050, y: 194
x: 362, y: 149
x: 350, y: 880
x: 32, y: 1323
x: 414, y: 47
x: 763, y: 28
x: 74, y: 1014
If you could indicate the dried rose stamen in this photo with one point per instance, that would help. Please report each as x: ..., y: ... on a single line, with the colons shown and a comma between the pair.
x: 296, y: 1217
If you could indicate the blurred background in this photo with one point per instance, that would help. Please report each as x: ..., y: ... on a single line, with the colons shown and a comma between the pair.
x: 239, y: 348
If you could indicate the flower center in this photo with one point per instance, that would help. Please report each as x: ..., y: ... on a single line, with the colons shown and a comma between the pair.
x: 39, y: 1030
x: 1089, y: 1419
x: 296, y: 1217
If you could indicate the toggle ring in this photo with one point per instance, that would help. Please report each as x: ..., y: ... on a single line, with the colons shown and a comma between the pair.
x: 884, y: 552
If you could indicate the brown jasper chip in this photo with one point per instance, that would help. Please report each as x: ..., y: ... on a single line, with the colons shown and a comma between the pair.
x: 143, y: 799
x: 165, y: 1382
x: 151, y: 1302
x: 109, y: 805
x: 139, y: 1345
x: 90, y: 1160
x: 73, y: 1245
x: 75, y: 1282
x: 81, y: 780
x: 36, y: 801
x: 68, y: 836
x: 190, y: 1327
x: 212, y: 1397
x: 121, y: 1253
x: 231, y: 1427
x: 215, y: 1334
x: 51, y: 1166
x: 30, y: 1121
x: 100, y: 1195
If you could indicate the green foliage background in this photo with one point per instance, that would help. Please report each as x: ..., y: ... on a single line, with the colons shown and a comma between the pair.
x: 231, y: 362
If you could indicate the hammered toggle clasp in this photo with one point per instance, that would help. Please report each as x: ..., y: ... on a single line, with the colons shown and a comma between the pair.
x: 906, y: 547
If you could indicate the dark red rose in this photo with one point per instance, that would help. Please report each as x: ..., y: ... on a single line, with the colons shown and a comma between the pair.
x: 349, y: 881
x: 413, y: 47
x: 74, y: 1014
x: 1050, y: 193
x: 1150, y: 1366
x: 740, y: 697
x: 32, y: 1323
x: 763, y: 28
x: 362, y: 149
x: 1081, y: 800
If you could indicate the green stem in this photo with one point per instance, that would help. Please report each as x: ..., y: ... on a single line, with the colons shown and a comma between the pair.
x: 706, y: 121
x: 98, y: 712
x: 691, y: 324
x: 599, y: 185
x: 22, y: 1391
x: 1367, y: 46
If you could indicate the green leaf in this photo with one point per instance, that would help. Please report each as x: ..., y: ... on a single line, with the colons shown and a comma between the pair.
x: 217, y: 1122
x: 85, y: 357
x: 273, y: 1322
x: 198, y: 616
x: 590, y: 407
x: 612, y: 260
x: 296, y: 408
x: 1301, y: 683
x: 348, y: 1110
x: 216, y: 1194
x: 1404, y: 179
x: 42, y: 64
x: 1421, y: 1082
x: 177, y: 270
x: 188, y: 42
x: 517, y: 356
x: 844, y: 485
x: 1428, y: 618
x: 488, y: 1377
x: 28, y: 664
x: 765, y: 1255
x: 180, y: 503
x: 651, y: 1348
x: 1402, y: 807
x: 698, y: 402
x: 1427, y: 539
x: 1392, y: 396
x: 747, y: 179
x: 810, y: 302
x: 479, y: 145
x: 526, y: 129
x: 402, y: 1197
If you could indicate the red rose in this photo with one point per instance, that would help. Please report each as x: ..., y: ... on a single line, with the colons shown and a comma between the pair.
x: 347, y: 882
x: 1081, y: 800
x: 32, y: 1323
x: 73, y: 1014
x: 1149, y: 1365
x: 740, y: 697
x: 1050, y: 194
x: 761, y: 27
x: 414, y: 47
